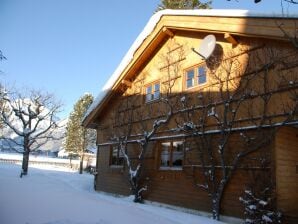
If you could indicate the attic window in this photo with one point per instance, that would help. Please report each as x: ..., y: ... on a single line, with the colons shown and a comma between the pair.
x: 195, y: 76
x: 190, y: 78
x: 202, y: 75
x: 152, y: 91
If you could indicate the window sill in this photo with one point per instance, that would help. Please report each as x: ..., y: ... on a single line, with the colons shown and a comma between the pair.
x: 152, y: 101
x: 196, y: 87
x: 171, y: 168
x: 116, y: 166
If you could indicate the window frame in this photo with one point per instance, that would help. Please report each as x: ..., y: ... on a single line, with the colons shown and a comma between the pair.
x: 119, y: 163
x: 153, y: 92
x: 171, y: 155
x: 187, y: 79
x: 196, y: 76
x: 199, y: 75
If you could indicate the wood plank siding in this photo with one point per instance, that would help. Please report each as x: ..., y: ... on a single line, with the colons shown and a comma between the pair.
x: 286, y: 155
x: 179, y: 187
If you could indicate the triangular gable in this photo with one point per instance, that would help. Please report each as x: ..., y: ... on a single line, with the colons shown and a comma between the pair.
x: 164, y: 23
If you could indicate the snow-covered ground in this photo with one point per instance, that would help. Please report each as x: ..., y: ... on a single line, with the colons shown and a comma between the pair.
x: 36, y: 158
x: 59, y: 197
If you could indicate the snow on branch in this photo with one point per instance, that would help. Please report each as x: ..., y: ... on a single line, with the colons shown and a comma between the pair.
x: 31, y: 117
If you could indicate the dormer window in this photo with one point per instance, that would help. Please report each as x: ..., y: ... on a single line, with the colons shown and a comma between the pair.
x: 152, y: 92
x: 195, y: 76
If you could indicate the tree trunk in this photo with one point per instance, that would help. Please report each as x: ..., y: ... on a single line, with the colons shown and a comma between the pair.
x: 70, y: 159
x: 216, y: 200
x: 136, y: 191
x: 81, y: 163
x: 26, y: 153
x: 136, y: 187
x: 215, y: 207
x: 25, y: 163
x: 81, y: 167
x: 83, y: 151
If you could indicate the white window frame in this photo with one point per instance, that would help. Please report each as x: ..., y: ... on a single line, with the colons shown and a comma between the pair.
x: 154, y: 93
x: 196, y: 76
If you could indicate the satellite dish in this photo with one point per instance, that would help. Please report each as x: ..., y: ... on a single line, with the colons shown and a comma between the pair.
x: 207, y: 47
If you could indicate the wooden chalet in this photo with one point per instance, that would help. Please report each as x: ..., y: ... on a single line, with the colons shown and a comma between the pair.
x: 230, y: 118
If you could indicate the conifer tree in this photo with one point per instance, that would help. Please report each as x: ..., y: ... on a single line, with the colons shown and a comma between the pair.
x: 184, y: 4
x: 78, y: 138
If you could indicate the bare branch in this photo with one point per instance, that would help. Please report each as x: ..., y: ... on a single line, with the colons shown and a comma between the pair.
x: 31, y: 117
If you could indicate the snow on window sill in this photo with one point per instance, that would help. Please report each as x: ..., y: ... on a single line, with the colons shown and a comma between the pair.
x: 171, y: 168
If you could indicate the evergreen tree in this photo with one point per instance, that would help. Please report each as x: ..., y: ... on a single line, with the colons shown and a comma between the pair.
x: 78, y: 138
x: 184, y: 4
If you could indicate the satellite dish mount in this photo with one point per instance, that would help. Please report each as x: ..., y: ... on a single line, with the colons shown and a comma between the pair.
x: 207, y: 47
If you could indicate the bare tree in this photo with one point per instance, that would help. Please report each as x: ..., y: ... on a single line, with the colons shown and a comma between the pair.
x: 2, y: 57
x: 135, y: 168
x: 32, y: 119
x: 257, y: 199
x: 291, y: 1
x: 136, y: 123
x: 240, y: 102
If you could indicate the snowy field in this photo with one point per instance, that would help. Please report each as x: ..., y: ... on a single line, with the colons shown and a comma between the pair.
x: 19, y: 156
x: 60, y: 197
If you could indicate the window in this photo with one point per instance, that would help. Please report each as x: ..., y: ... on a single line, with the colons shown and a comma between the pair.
x: 117, y: 158
x: 171, y: 155
x: 202, y: 75
x: 190, y: 78
x: 152, y: 92
x: 196, y: 76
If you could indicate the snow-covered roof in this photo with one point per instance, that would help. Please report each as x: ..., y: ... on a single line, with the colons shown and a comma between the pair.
x: 151, y: 25
x: 63, y: 153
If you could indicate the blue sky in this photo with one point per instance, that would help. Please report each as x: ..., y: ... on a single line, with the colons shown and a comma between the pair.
x: 69, y: 47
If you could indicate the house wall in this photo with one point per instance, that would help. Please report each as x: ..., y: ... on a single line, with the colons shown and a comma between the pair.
x: 110, y: 179
x: 177, y: 187
x: 286, y: 156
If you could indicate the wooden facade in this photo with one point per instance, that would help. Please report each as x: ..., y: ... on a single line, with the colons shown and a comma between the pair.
x: 286, y: 171
x: 248, y: 84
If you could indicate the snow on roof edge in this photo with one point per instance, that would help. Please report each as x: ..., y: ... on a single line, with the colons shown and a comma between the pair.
x: 151, y: 25
x: 125, y: 61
